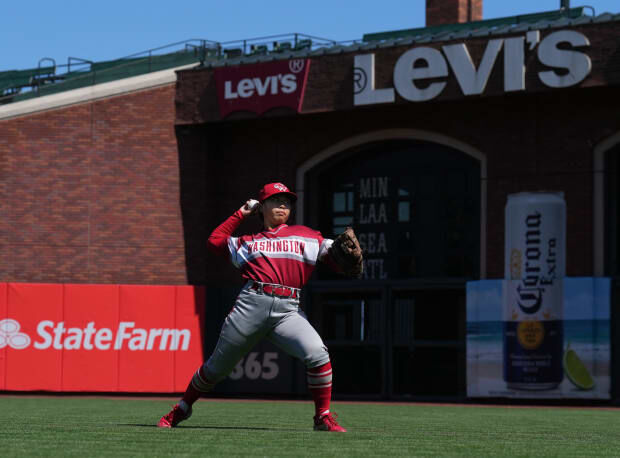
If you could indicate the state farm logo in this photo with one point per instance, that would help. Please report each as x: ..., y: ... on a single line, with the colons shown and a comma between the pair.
x: 125, y: 336
x: 10, y: 335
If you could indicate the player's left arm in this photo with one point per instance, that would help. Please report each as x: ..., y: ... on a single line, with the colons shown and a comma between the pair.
x: 324, y: 254
x: 344, y: 254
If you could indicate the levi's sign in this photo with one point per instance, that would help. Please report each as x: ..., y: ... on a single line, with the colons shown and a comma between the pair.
x: 260, y: 87
x: 420, y: 73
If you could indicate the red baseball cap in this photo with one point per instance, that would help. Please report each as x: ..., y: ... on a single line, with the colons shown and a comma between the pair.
x: 272, y: 189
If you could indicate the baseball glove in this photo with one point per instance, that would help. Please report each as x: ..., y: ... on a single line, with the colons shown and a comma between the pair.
x: 347, y: 254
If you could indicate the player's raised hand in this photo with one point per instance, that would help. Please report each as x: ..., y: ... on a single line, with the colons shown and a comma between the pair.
x: 250, y: 207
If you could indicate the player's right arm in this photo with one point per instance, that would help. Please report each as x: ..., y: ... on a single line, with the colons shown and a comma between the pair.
x: 219, y: 239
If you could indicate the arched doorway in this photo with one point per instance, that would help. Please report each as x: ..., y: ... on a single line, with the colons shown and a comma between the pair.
x: 606, y: 205
x: 416, y: 205
x: 606, y: 236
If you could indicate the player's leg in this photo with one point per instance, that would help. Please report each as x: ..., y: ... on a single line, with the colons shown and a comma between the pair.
x: 226, y: 355
x: 295, y: 335
x: 231, y: 347
x: 242, y: 329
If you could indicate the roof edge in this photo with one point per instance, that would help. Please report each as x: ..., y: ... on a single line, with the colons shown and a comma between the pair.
x: 90, y: 93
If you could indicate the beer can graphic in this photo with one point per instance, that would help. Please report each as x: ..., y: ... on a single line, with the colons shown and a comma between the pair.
x: 533, y: 312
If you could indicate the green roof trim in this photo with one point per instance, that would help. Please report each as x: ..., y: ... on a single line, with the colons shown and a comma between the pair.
x: 18, y: 85
x: 571, y: 13
x: 103, y: 72
x: 21, y: 78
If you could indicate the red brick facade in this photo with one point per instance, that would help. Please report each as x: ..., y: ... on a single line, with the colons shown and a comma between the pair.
x: 111, y: 191
x: 440, y: 12
x: 90, y: 193
x: 515, y: 133
x: 330, y: 78
x: 538, y: 139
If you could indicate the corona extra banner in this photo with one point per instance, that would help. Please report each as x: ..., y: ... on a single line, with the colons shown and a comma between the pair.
x: 126, y: 338
x: 524, y: 359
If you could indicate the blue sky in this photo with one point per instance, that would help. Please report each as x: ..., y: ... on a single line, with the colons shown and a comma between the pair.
x: 112, y: 29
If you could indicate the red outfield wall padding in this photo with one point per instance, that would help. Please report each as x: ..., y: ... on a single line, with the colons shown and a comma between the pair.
x: 81, y: 370
x: 145, y: 318
x: 3, y: 337
x: 127, y: 338
x: 189, y: 315
x: 33, y: 362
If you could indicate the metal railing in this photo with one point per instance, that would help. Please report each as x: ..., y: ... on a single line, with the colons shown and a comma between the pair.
x: 80, y: 72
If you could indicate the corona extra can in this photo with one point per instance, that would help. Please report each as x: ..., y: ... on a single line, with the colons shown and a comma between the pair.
x: 533, y: 312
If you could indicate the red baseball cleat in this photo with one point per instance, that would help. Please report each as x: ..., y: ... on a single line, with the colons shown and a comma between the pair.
x: 328, y: 422
x: 174, y: 417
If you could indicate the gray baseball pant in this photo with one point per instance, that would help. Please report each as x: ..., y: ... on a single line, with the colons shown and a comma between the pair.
x: 256, y: 316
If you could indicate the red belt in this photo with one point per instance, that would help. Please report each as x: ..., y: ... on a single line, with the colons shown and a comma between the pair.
x: 275, y: 290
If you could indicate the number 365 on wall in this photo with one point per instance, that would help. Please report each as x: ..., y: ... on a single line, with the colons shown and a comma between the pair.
x: 252, y: 368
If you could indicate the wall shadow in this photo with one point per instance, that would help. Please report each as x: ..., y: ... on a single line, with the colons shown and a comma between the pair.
x: 193, y: 201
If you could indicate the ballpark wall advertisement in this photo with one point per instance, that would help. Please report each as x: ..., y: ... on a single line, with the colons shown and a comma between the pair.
x: 258, y: 88
x: 126, y: 338
x: 584, y: 355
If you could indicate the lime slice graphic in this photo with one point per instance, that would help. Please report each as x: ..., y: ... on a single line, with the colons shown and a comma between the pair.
x: 576, y: 371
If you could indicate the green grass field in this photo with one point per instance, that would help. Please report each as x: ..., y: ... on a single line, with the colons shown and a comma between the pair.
x: 85, y: 427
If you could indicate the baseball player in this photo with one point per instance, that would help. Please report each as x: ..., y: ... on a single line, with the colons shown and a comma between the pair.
x: 276, y: 263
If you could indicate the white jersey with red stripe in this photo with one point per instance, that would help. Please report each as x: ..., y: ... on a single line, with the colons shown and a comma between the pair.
x: 285, y: 255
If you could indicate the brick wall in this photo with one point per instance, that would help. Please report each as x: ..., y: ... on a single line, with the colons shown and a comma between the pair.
x: 113, y: 192
x: 539, y: 139
x: 440, y: 12
x: 330, y: 78
x: 532, y: 142
x: 90, y: 193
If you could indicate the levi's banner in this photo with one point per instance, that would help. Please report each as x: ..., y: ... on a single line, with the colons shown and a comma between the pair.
x: 126, y: 338
x: 260, y: 87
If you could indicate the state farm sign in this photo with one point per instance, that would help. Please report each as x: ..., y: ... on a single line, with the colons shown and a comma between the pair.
x: 420, y: 73
x: 133, y: 338
x: 126, y: 335
x: 260, y: 87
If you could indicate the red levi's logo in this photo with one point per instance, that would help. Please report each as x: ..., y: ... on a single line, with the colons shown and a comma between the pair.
x: 260, y: 87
